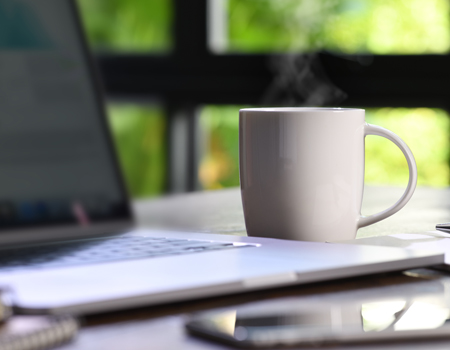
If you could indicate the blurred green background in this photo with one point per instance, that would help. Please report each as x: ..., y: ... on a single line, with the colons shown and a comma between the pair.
x: 347, y: 26
x: 128, y: 25
x: 255, y: 26
x: 425, y: 130
x: 139, y: 134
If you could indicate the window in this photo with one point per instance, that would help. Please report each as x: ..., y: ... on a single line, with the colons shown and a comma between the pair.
x: 390, y: 57
x: 128, y: 26
x: 425, y: 130
x: 343, y: 26
x: 139, y: 132
x: 219, y: 166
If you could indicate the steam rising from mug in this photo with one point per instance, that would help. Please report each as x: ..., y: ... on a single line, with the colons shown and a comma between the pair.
x: 300, y: 80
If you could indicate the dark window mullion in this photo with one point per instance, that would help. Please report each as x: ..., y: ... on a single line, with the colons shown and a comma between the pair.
x: 190, y: 51
x: 232, y: 79
x: 190, y: 29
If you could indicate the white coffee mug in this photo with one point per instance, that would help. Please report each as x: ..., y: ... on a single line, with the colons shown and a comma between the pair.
x: 302, y: 172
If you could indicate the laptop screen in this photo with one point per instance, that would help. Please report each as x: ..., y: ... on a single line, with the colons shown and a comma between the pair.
x: 56, y: 159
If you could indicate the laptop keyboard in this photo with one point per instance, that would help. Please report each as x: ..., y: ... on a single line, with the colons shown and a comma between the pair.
x: 105, y: 250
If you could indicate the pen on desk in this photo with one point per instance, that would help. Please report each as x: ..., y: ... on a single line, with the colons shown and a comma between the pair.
x: 445, y: 227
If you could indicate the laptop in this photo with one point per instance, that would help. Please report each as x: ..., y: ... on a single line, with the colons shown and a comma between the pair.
x: 67, y: 238
x: 431, y: 241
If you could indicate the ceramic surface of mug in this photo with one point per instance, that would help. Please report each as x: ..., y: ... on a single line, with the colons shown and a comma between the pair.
x: 302, y: 172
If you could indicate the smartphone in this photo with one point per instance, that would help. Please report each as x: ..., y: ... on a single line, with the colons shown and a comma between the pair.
x: 300, y: 322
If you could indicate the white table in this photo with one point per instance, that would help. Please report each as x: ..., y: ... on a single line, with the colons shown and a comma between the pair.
x: 221, y: 211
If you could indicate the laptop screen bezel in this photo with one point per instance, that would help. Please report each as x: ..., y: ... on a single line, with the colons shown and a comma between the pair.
x: 118, y: 223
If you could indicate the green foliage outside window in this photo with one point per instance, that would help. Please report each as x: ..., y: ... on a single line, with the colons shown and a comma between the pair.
x: 220, y: 163
x: 343, y: 26
x: 347, y: 26
x: 139, y: 135
x: 128, y: 25
x: 425, y: 130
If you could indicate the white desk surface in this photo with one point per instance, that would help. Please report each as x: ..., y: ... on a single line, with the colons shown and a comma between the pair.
x: 221, y: 211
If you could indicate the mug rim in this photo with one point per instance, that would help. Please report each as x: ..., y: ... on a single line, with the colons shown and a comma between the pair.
x: 301, y: 109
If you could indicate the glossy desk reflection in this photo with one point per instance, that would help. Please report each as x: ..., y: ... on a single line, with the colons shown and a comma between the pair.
x: 377, y: 314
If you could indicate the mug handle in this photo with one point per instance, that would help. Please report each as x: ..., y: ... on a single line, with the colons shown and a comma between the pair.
x: 379, y: 131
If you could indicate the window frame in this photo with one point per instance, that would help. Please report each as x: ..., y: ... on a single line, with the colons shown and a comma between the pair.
x: 191, y: 75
